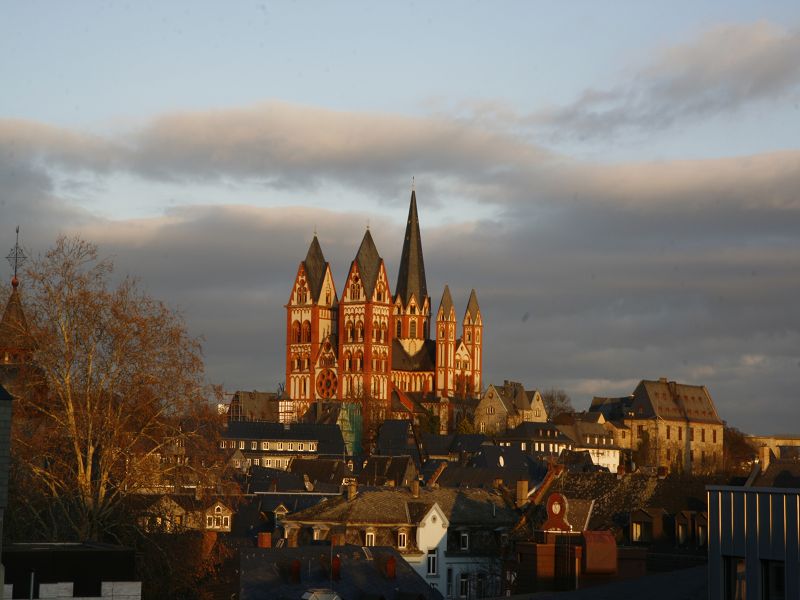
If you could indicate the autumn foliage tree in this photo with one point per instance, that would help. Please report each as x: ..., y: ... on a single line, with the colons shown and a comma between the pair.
x: 115, y: 389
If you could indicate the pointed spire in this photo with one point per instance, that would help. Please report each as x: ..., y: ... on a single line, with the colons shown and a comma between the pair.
x: 411, y: 277
x: 472, y: 306
x: 315, y: 267
x: 14, y: 326
x: 369, y: 263
x: 446, y: 305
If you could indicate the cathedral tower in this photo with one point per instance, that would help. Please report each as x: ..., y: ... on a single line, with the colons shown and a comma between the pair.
x: 364, y: 321
x: 472, y: 338
x: 311, y: 327
x: 445, y: 345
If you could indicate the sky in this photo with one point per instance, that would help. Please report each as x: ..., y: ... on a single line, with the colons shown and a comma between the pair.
x: 619, y: 181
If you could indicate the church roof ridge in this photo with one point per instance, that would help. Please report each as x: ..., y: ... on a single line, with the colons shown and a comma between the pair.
x: 369, y: 263
x: 315, y: 266
x: 472, y: 306
x: 446, y: 304
x: 411, y: 275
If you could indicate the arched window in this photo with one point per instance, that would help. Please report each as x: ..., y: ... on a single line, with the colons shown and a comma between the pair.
x: 359, y: 360
x: 413, y: 332
x: 328, y: 296
x: 306, y: 362
x: 349, y: 331
x: 376, y: 331
x: 360, y: 331
x: 348, y: 361
x: 399, y: 332
x: 296, y: 332
x: 469, y: 336
x: 383, y: 332
x: 306, y: 332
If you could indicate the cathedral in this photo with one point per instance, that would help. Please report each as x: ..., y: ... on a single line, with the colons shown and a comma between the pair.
x: 375, y: 344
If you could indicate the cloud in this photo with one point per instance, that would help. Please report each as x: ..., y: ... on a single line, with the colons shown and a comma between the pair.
x: 720, y: 71
x: 626, y: 271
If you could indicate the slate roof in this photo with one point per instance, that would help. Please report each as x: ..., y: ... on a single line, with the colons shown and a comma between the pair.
x: 472, y: 306
x: 266, y: 572
x: 315, y: 267
x: 411, y: 276
x: 673, y: 401
x: 446, y: 304
x: 369, y: 264
x: 328, y: 436
x: 780, y: 474
x: 379, y: 470
x: 321, y: 471
x: 14, y: 325
x: 535, y: 431
x: 478, y: 507
x: 423, y: 360
x: 254, y: 406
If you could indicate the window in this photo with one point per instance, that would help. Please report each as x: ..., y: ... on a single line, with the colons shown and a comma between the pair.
x: 449, y: 581
x: 312, y: 446
x: 280, y: 445
x: 209, y: 521
x: 636, y: 532
x: 413, y: 332
x: 369, y: 539
x: 399, y: 329
x: 222, y: 444
x: 217, y: 521
x: 433, y: 568
x: 256, y: 462
x: 402, y: 540
x: 640, y: 430
x: 668, y: 431
x: 226, y: 521
x: 301, y: 446
x: 691, y: 433
x: 680, y: 433
x: 714, y: 436
x: 463, y: 585
x: 702, y: 435
x: 735, y: 579
x: 241, y: 444
x: 253, y: 445
x: 464, y: 540
x: 291, y: 446
x: 265, y: 445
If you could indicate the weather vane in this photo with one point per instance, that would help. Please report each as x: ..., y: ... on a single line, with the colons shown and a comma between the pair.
x: 17, y: 256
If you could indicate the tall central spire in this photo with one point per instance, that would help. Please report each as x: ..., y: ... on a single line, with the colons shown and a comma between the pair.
x: 411, y: 277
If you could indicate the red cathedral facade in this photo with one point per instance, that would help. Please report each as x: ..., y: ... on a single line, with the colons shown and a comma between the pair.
x: 372, y: 343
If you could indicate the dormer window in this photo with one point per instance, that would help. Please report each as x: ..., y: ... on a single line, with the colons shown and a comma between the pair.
x: 402, y: 540
x: 369, y: 539
x: 464, y: 540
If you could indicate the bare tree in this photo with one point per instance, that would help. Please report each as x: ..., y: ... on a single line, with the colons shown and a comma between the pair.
x: 114, y: 403
x: 556, y: 402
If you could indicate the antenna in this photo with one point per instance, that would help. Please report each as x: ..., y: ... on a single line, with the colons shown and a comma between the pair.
x: 17, y: 256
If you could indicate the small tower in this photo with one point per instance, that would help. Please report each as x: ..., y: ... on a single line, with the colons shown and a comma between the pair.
x: 472, y: 339
x: 311, y: 326
x: 16, y: 346
x: 445, y: 345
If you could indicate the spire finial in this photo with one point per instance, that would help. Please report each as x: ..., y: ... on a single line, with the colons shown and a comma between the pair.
x: 15, y: 258
x: 315, y: 230
x: 367, y: 224
x: 413, y: 184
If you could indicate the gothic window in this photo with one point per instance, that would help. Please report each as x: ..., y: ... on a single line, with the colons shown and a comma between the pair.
x: 442, y: 333
x: 469, y: 336
x: 348, y: 328
x: 359, y: 360
x: 306, y: 362
x: 355, y: 289
x: 383, y: 332
x: 360, y: 331
x: 376, y: 331
x: 413, y: 309
x: 328, y: 296
x: 348, y: 361
x: 399, y: 327
x: 413, y: 332
x: 306, y: 332
x: 296, y: 332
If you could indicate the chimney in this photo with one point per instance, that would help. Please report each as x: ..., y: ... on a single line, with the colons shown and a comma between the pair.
x: 295, y: 571
x: 415, y: 488
x: 352, y: 490
x: 336, y: 568
x: 522, y: 492
x: 264, y: 539
x: 391, y: 568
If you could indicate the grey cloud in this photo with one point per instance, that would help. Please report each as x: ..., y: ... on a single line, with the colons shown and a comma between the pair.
x: 720, y: 71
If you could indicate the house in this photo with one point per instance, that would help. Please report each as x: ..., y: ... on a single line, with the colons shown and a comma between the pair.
x: 504, y: 407
x: 254, y: 406
x: 537, y: 439
x: 586, y: 432
x: 389, y: 471
x: 275, y: 444
x: 178, y: 512
x: 754, y: 534
x: 451, y: 537
x: 648, y: 525
x: 670, y: 424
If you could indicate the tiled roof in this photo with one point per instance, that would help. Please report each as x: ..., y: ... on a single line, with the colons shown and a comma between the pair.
x: 395, y: 506
x: 673, y: 401
x: 446, y: 304
x: 328, y: 436
x: 472, y: 306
